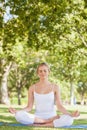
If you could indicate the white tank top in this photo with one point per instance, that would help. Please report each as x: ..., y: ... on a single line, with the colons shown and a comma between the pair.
x: 44, y: 105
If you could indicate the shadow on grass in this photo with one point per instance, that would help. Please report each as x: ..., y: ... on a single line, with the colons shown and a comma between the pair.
x: 80, y: 121
x: 3, y: 110
x: 4, y: 118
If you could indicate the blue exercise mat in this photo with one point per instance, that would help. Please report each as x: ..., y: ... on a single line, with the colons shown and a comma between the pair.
x: 10, y: 124
x: 15, y: 124
x: 76, y: 126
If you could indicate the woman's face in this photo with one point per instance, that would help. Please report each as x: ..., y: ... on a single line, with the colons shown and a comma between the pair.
x: 43, y: 72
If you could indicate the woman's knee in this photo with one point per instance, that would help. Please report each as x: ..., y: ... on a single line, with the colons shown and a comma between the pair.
x: 24, y: 117
x: 20, y: 115
x: 64, y: 120
x: 69, y: 120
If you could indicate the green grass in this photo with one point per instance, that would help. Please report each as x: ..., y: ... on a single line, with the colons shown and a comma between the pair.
x: 6, y: 117
x: 32, y: 128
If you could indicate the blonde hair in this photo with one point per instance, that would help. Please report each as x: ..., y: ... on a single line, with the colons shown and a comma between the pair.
x: 43, y: 64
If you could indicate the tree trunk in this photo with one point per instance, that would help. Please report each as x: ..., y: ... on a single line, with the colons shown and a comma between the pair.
x: 19, y: 94
x: 4, y: 90
x: 18, y: 85
x: 82, y: 99
x: 71, y: 93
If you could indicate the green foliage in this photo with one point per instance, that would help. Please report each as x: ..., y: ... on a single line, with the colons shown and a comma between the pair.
x: 44, y: 30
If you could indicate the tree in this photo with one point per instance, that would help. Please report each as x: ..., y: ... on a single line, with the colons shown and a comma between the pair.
x: 82, y: 81
x: 59, y: 27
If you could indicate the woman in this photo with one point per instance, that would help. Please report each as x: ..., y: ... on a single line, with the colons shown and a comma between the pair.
x: 45, y: 95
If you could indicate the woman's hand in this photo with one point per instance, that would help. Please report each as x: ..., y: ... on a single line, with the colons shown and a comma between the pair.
x: 12, y: 110
x: 75, y: 114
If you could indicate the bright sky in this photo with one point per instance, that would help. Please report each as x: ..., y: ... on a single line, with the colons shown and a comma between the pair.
x: 7, y: 15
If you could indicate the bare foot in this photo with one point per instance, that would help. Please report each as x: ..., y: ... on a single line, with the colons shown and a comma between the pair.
x: 52, y: 119
x: 44, y: 125
x: 12, y: 110
x: 56, y: 117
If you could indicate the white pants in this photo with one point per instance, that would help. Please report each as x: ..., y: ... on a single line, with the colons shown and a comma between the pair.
x: 64, y: 120
x: 28, y: 119
x: 24, y: 117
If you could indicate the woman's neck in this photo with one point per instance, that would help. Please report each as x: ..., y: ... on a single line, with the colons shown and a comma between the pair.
x: 44, y: 82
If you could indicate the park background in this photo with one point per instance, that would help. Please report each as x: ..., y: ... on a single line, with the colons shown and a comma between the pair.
x: 52, y: 31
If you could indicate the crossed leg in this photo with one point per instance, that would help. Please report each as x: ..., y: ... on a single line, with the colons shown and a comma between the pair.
x: 52, y: 122
x: 37, y: 121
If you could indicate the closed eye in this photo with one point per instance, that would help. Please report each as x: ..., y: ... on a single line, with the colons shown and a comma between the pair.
x: 43, y: 71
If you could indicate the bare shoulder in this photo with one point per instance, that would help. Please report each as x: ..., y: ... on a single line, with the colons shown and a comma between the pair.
x: 56, y: 87
x: 31, y: 88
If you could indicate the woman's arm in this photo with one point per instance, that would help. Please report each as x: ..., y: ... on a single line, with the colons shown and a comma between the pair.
x: 58, y: 101
x: 30, y: 99
x: 60, y: 106
x: 30, y: 102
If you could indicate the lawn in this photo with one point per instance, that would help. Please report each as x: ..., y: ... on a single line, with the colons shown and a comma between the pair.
x: 6, y: 117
